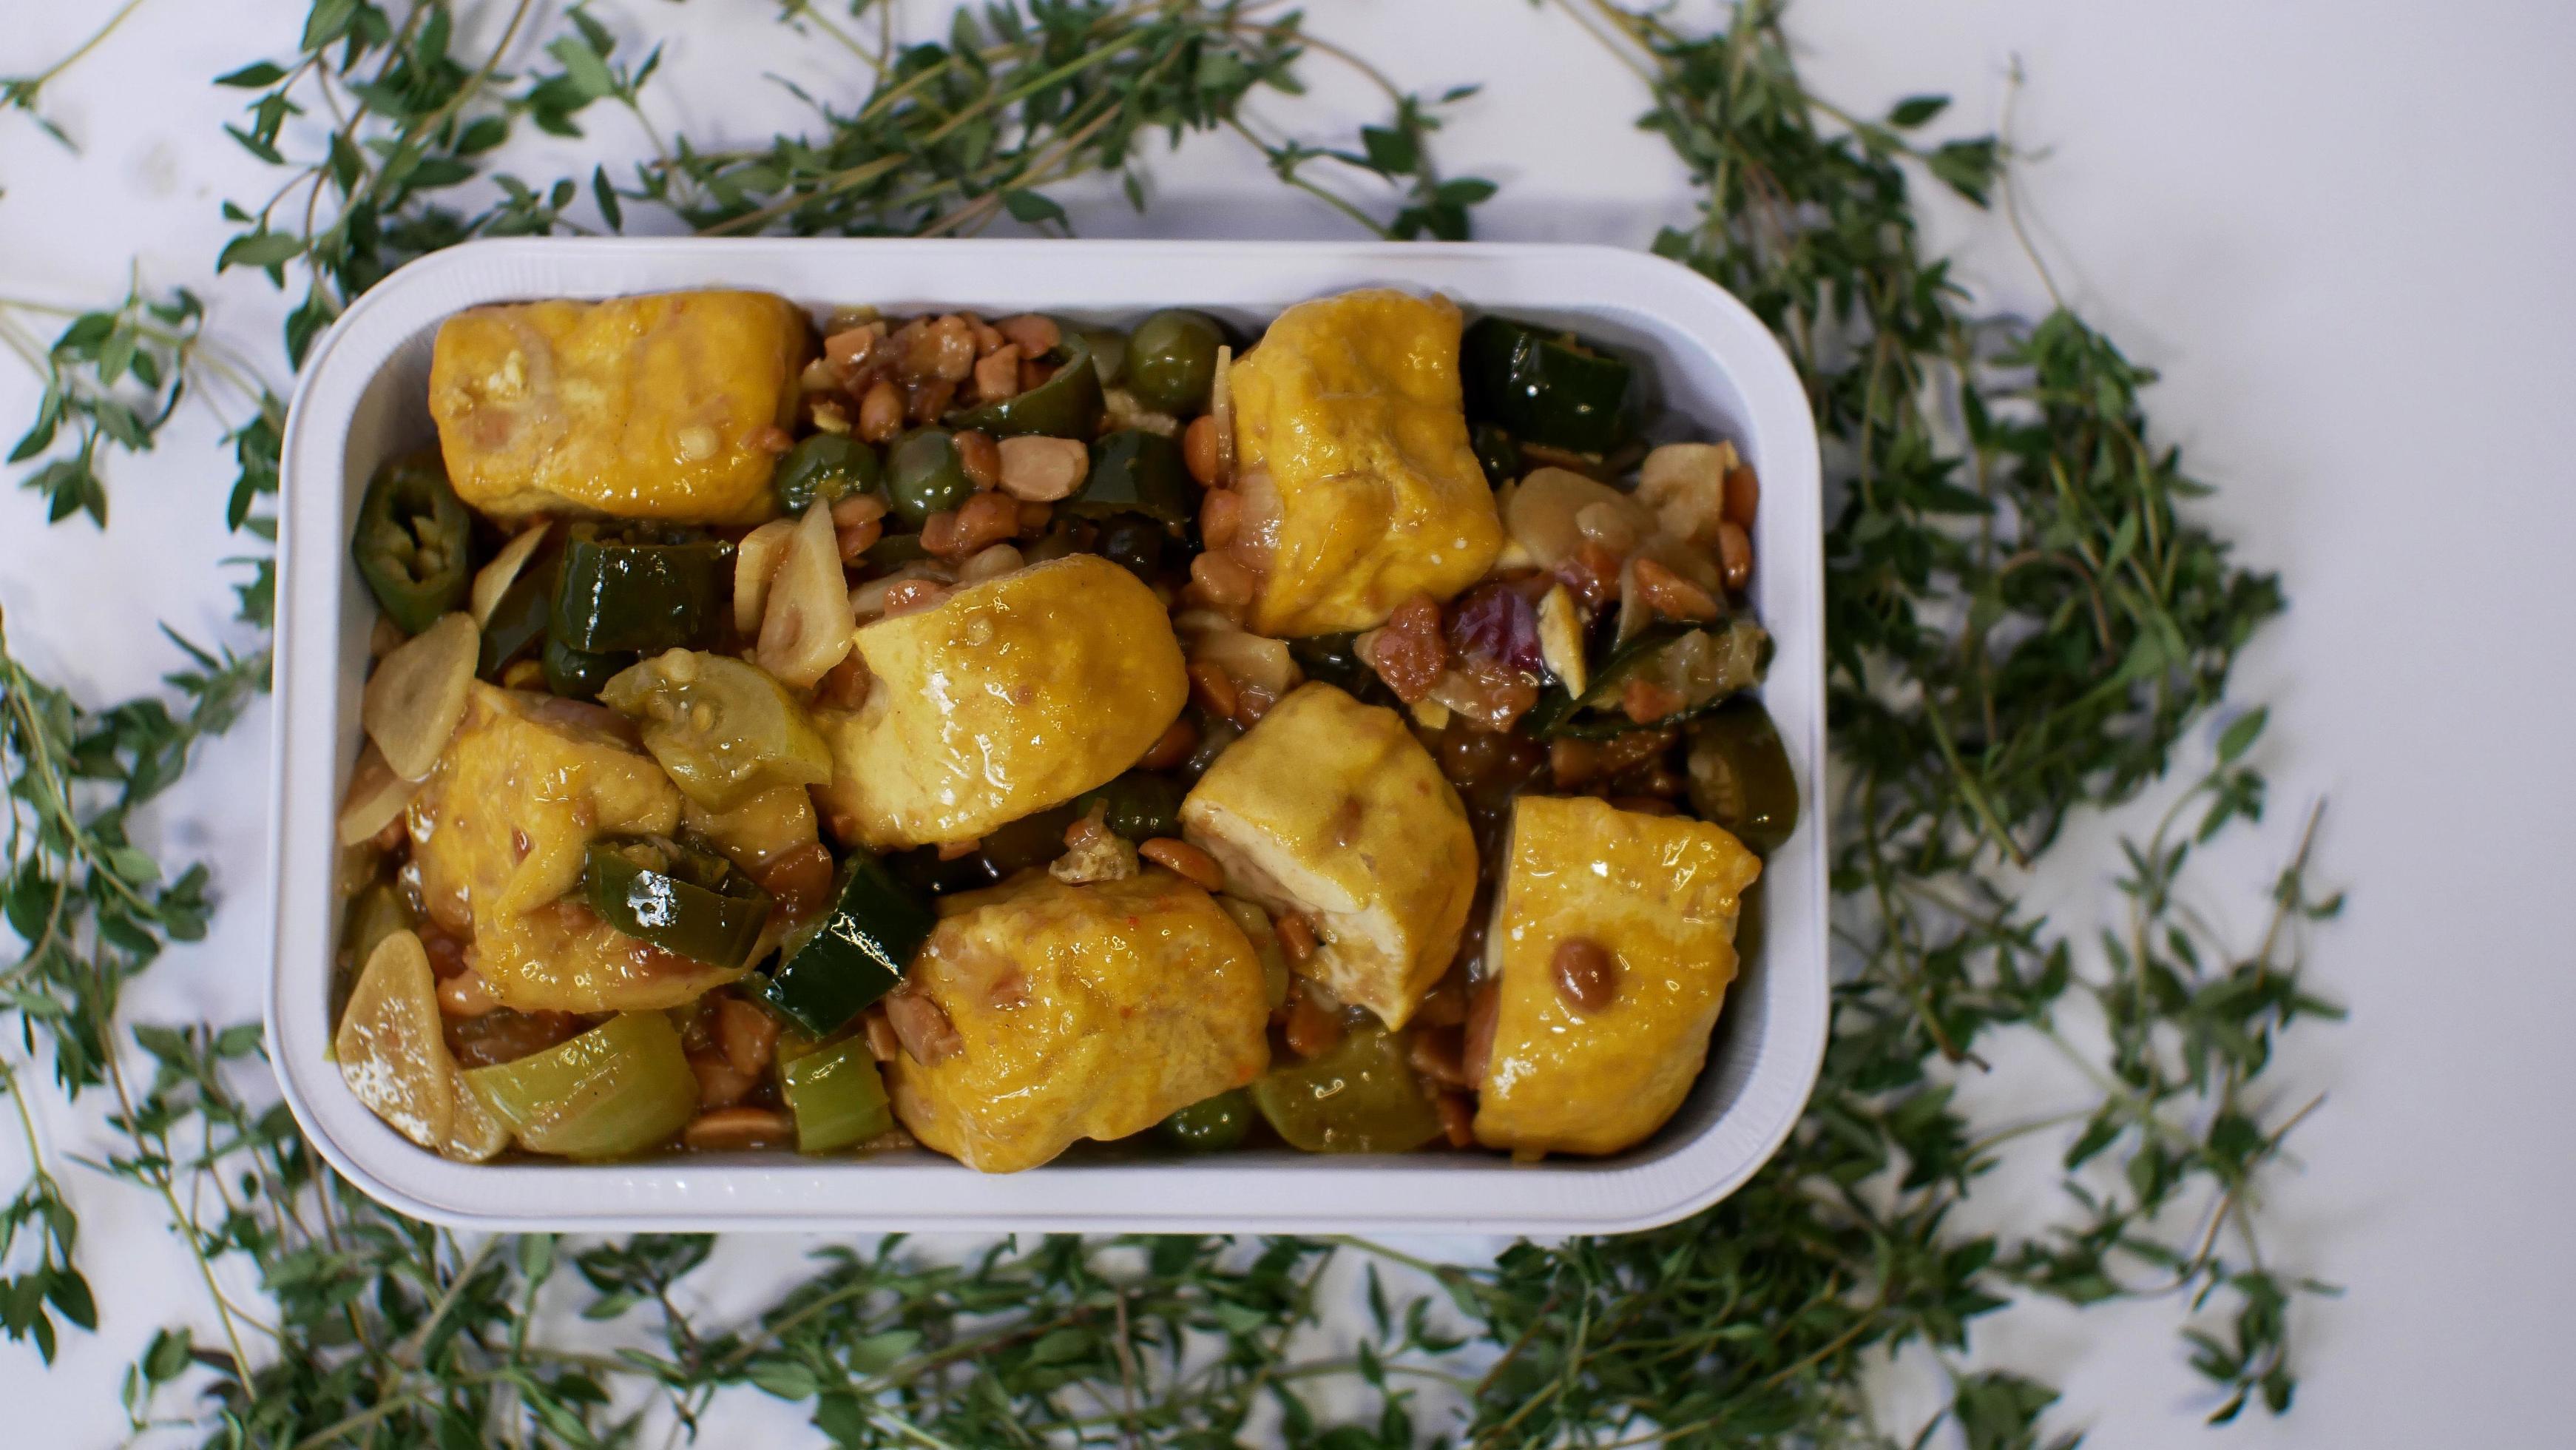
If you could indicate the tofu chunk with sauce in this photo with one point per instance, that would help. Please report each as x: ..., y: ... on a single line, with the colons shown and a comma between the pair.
x: 499, y: 831
x: 1352, y: 457
x: 1658, y: 896
x: 670, y: 406
x: 1075, y: 1012
x: 1332, y: 809
x: 1003, y: 699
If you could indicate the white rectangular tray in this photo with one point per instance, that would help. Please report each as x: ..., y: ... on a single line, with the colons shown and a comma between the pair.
x: 363, y: 397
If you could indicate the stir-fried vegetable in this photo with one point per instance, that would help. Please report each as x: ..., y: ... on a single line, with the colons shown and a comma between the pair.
x: 410, y: 543
x: 827, y: 467
x: 1067, y: 405
x: 620, y: 1088
x: 1141, y: 804
x: 723, y: 730
x: 1136, y: 472
x: 1548, y: 387
x: 682, y: 900
x: 1677, y: 672
x: 578, y: 674
x: 1360, y: 1097
x: 836, y: 1096
x: 647, y: 591
x: 1211, y: 1126
x: 853, y: 956
x: 1740, y: 776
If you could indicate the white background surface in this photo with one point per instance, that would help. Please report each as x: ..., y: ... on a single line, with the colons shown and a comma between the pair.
x: 2344, y: 234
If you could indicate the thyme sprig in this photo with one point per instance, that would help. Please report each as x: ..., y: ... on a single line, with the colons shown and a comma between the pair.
x: 2024, y: 621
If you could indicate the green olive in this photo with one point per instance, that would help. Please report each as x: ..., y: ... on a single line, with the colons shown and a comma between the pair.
x: 827, y: 466
x: 1171, y: 361
x: 924, y: 475
x: 1212, y: 1126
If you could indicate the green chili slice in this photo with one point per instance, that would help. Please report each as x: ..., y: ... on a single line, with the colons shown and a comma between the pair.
x: 855, y: 954
x: 411, y: 542
x: 613, y: 595
x: 1547, y: 387
x: 687, y: 902
x: 1066, y: 405
x: 1136, y: 472
x: 1740, y: 776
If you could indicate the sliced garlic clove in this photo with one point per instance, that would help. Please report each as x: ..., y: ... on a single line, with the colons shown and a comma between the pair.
x: 417, y: 695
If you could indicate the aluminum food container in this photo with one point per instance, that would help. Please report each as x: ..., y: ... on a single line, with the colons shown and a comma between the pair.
x: 362, y: 398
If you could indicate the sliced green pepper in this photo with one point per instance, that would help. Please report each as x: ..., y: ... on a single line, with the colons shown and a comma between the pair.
x: 649, y: 593
x: 691, y: 903
x: 855, y: 955
x: 836, y: 1095
x: 374, y: 914
x: 1496, y: 454
x: 827, y: 466
x: 1211, y: 1126
x: 1544, y: 386
x: 622, y: 1087
x: 1142, y: 804
x: 1067, y: 405
x: 411, y: 542
x: 518, y: 623
x: 924, y: 475
x: 1360, y: 1097
x: 1704, y: 665
x: 1171, y: 360
x: 1740, y: 776
x: 1334, y: 659
x: 1136, y: 472
x: 577, y: 674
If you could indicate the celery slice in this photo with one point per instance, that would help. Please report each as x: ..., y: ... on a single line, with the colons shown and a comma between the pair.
x: 836, y: 1096
x: 622, y: 1087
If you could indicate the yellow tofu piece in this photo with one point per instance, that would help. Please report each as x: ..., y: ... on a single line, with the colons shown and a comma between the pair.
x: 499, y: 831
x: 1661, y: 893
x: 1331, y: 808
x: 1084, y: 1012
x: 1005, y: 698
x: 652, y: 407
x: 1351, y: 451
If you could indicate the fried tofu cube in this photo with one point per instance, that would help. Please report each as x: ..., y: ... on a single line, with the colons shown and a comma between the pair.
x: 666, y: 407
x: 1077, y: 1012
x: 1352, y: 456
x: 1005, y: 698
x: 500, y: 830
x: 1659, y: 894
x: 1332, y: 809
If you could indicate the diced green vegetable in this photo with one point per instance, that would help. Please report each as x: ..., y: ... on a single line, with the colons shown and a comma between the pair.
x: 827, y: 466
x: 682, y: 900
x: 411, y: 542
x: 855, y: 955
x: 1360, y: 1097
x: 1740, y: 776
x: 836, y: 1096
x: 614, y: 594
x: 1211, y: 1126
x: 1704, y: 666
x: 1066, y: 405
x: 1496, y: 453
x: 1108, y: 352
x: 1142, y: 804
x: 578, y: 674
x: 518, y: 624
x: 620, y: 1088
x: 1136, y: 472
x: 1545, y: 386
x: 723, y: 730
